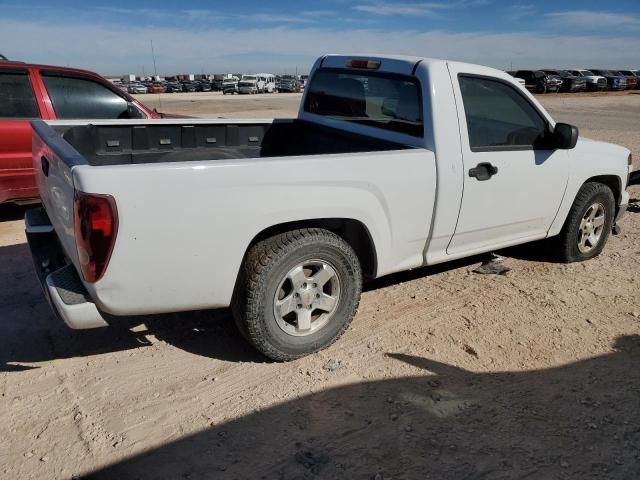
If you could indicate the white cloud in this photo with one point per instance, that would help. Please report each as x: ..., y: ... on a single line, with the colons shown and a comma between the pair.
x: 411, y: 9
x: 111, y: 49
x: 383, y: 8
x: 275, y: 18
x: 585, y: 19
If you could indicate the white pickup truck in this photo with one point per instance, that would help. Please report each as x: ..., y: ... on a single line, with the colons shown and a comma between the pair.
x: 392, y: 163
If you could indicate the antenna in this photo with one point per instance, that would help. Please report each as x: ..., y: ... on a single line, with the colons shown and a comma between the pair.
x: 155, y: 71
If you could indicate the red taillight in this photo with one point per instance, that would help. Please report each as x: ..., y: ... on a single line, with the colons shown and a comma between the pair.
x: 368, y: 64
x: 95, y: 226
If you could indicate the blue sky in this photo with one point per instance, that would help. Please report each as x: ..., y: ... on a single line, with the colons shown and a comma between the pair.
x: 113, y: 37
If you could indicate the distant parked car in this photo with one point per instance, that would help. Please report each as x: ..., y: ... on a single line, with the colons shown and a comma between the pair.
x: 158, y: 88
x: 230, y: 86
x: 594, y: 82
x: 614, y: 81
x: 521, y: 81
x: 287, y: 83
x: 190, y: 86
x: 570, y: 82
x: 216, y: 85
x: 637, y: 74
x: 539, y: 82
x: 266, y: 82
x: 630, y: 77
x: 137, y: 88
x: 204, y: 86
x: 248, y: 84
x: 174, y: 87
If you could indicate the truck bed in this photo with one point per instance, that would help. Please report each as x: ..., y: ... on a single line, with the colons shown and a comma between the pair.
x: 185, y: 142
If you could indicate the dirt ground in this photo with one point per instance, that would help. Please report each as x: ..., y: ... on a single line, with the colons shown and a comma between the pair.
x: 444, y: 373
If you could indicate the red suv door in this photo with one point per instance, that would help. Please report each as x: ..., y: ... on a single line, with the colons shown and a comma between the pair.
x: 18, y: 106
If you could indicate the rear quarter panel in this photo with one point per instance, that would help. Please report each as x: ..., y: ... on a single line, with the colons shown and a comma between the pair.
x: 55, y: 183
x: 184, y: 228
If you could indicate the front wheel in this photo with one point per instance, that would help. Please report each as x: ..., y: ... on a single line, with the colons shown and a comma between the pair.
x: 588, y: 224
x: 297, y: 293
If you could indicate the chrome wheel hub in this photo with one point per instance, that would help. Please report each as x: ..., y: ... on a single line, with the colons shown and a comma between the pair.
x: 591, y: 228
x: 307, y: 298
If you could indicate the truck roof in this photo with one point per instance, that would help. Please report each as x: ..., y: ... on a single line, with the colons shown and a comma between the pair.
x: 16, y: 64
x: 402, y: 64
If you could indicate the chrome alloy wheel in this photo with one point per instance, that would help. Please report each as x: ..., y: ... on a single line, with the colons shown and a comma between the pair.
x: 307, y: 298
x: 591, y: 228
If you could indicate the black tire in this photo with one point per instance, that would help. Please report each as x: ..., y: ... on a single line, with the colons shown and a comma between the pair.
x: 565, y: 245
x: 541, y: 88
x: 267, y: 264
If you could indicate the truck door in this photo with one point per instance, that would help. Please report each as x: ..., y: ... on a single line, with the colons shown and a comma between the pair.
x: 514, y: 178
x: 18, y: 106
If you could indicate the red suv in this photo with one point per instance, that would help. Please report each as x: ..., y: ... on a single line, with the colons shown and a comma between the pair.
x: 39, y: 91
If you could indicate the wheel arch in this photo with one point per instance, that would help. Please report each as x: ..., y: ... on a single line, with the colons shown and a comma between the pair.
x: 611, y: 181
x: 354, y: 232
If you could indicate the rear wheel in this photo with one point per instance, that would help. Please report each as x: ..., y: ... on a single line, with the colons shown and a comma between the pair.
x: 297, y: 293
x: 588, y: 224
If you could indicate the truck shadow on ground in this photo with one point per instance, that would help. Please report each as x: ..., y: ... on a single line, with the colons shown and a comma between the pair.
x: 10, y: 212
x: 29, y: 332
x: 575, y: 421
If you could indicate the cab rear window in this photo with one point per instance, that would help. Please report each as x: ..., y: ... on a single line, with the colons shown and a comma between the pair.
x: 378, y: 99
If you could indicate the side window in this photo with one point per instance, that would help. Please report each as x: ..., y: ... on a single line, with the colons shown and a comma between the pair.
x: 499, y: 117
x: 17, y: 99
x: 74, y: 97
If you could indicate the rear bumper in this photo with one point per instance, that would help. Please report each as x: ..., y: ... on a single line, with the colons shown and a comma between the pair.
x: 62, y: 287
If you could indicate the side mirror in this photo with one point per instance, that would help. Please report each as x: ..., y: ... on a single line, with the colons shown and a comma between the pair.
x: 566, y: 136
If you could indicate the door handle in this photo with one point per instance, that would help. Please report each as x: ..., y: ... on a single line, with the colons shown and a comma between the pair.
x: 483, y: 171
x: 45, y: 165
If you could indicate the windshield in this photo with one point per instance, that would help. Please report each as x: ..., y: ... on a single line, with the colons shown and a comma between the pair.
x: 587, y: 73
x: 383, y: 100
x: 249, y: 78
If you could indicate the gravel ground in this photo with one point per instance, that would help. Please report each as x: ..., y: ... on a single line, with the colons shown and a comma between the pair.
x: 444, y: 374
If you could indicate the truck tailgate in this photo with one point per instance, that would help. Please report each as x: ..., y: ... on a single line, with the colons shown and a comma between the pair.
x: 53, y: 160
